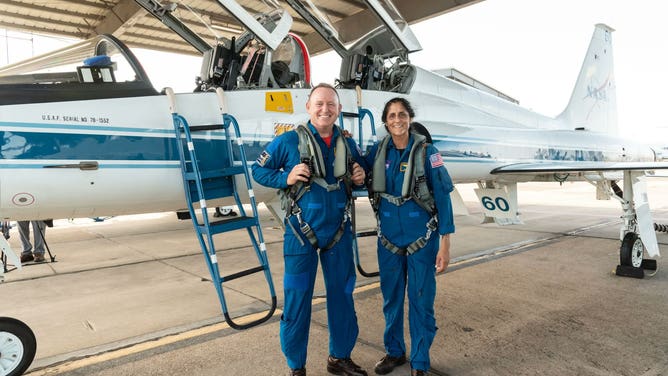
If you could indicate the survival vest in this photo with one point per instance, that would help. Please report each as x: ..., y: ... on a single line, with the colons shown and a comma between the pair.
x: 310, y: 153
x: 414, y: 187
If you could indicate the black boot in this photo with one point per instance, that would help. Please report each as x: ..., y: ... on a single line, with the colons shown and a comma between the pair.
x: 344, y: 366
x: 388, y: 363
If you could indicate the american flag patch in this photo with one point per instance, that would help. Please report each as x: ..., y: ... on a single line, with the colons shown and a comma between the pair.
x: 436, y: 160
x: 263, y: 158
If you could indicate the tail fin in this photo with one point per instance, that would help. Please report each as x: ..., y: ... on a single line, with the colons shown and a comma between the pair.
x: 593, y: 103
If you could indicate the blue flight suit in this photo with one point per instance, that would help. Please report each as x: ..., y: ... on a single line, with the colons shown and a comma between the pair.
x: 323, y: 211
x: 402, y: 225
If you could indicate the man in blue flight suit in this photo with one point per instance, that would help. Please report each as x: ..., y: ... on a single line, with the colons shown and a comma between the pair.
x: 317, y: 224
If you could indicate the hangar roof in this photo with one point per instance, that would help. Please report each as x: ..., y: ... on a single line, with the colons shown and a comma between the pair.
x: 130, y: 22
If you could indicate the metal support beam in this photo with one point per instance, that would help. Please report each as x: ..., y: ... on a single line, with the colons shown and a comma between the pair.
x: 119, y: 18
x: 298, y: 6
x: 165, y: 16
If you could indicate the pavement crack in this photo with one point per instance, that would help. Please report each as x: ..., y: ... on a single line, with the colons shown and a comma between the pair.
x: 89, y: 325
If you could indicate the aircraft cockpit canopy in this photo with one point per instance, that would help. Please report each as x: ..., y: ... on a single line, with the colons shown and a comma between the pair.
x: 379, y: 59
x: 247, y: 62
x: 381, y: 13
x: 101, y: 67
x: 265, y: 55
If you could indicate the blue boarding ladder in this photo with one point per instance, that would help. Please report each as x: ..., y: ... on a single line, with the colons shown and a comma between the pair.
x: 360, y: 115
x: 205, y: 184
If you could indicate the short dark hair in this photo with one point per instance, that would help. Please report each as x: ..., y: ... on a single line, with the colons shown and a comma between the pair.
x: 403, y: 101
x: 324, y: 85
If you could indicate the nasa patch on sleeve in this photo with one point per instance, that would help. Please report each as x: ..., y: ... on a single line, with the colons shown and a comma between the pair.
x: 263, y: 158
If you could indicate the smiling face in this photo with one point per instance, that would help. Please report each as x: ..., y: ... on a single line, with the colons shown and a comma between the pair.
x: 398, y: 121
x: 323, y: 107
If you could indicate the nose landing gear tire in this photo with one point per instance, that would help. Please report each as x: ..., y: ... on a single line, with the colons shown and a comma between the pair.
x: 631, y: 251
x: 17, y: 346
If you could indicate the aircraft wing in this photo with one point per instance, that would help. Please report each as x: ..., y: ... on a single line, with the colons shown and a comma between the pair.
x: 575, y: 166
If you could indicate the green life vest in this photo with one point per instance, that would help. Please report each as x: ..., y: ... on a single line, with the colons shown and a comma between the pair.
x: 414, y: 187
x: 310, y: 153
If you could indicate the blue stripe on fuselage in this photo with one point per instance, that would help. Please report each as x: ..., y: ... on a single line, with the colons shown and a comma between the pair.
x: 41, y: 146
x: 45, y: 142
x: 101, y: 165
x: 37, y: 145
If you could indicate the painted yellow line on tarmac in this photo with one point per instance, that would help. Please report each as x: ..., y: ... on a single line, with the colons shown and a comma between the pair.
x: 72, y: 365
x: 144, y: 346
x: 152, y: 344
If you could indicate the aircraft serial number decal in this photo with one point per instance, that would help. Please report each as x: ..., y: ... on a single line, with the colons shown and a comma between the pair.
x: 76, y: 118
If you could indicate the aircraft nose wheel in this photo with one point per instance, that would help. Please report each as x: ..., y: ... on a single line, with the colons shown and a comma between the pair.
x: 17, y: 346
x: 631, y: 251
x: 631, y: 262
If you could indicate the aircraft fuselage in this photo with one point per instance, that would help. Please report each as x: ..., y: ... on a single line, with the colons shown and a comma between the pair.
x: 117, y: 156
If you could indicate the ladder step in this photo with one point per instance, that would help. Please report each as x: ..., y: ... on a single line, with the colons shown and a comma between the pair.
x: 242, y: 273
x: 231, y: 224
x: 363, y: 234
x: 212, y: 174
x: 202, y: 128
x: 211, y: 178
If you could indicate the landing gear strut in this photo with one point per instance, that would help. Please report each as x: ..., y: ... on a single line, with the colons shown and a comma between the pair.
x: 17, y: 346
x: 637, y: 223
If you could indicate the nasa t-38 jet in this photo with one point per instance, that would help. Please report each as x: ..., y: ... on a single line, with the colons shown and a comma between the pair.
x: 85, y: 134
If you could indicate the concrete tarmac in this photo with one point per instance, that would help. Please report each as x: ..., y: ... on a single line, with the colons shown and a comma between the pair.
x: 132, y: 296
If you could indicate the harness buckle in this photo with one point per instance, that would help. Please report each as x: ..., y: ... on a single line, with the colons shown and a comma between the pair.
x: 297, y: 213
x: 432, y: 226
x: 304, y: 227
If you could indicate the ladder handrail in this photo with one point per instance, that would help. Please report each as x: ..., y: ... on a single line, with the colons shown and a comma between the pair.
x: 360, y: 115
x: 180, y: 123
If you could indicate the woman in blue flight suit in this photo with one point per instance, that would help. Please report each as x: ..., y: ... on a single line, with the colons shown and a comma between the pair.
x: 280, y: 166
x: 403, y: 262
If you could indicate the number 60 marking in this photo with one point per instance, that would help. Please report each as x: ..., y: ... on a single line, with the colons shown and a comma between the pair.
x: 494, y: 204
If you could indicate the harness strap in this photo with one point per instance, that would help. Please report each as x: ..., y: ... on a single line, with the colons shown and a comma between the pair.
x: 396, y: 201
x: 309, y: 234
x: 415, y: 246
x: 329, y: 187
x: 310, y: 153
x: 414, y: 187
x: 408, y: 185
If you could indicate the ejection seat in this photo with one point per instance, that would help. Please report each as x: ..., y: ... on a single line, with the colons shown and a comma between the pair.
x: 243, y: 63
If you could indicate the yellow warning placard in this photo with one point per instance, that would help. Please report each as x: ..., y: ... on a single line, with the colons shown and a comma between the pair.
x: 278, y: 101
x: 280, y: 128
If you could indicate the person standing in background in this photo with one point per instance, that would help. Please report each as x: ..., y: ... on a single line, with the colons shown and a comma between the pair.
x: 39, y: 232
